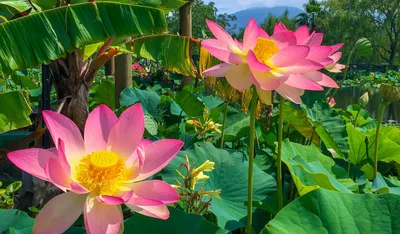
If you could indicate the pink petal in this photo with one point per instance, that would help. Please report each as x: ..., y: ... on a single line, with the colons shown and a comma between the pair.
x: 115, y: 200
x: 284, y: 39
x: 290, y: 93
x: 238, y: 76
x: 141, y: 201
x: 62, y: 158
x: 157, y: 155
x: 156, y: 190
x: 262, y: 33
x: 127, y: 133
x: 280, y: 27
x: 302, y: 34
x: 289, y: 56
x: 315, y: 39
x: 78, y: 188
x: 57, y: 175
x: 239, y: 43
x: 326, y: 62
x: 336, y: 68
x: 136, y: 160
x: 59, y: 213
x: 301, y: 82
x: 336, y: 56
x: 32, y: 161
x: 336, y: 47
x: 319, y: 53
x: 63, y: 128
x: 219, y: 70
x: 221, y: 52
x: 266, y: 80
x: 256, y: 65
x: 98, y: 126
x: 101, y: 218
x: 159, y: 212
x: 265, y: 96
x: 221, y: 35
x: 303, y: 66
x: 250, y: 35
x: 322, y: 79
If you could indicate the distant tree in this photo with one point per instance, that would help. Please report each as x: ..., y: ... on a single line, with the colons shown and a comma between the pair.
x: 201, y: 12
x: 271, y: 20
x: 314, y: 13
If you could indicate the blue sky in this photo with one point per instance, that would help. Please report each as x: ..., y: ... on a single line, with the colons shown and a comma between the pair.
x: 231, y: 6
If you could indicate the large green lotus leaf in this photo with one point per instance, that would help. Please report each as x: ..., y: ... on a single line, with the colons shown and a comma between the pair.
x: 173, y: 52
x: 190, y: 103
x: 329, y: 212
x: 14, y: 111
x: 392, y: 133
x: 388, y: 150
x: 237, y: 125
x: 230, y: 175
x: 297, y: 118
x: 15, y: 221
x: 357, y: 144
x: 179, y: 222
x: 51, y: 34
x: 149, y: 100
x: 104, y: 93
x: 382, y: 185
x: 329, y: 126
x: 311, y: 169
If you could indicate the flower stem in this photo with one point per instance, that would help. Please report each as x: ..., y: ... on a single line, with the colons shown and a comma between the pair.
x: 279, y: 180
x: 380, y: 116
x: 358, y: 113
x: 251, y: 157
x: 223, y: 126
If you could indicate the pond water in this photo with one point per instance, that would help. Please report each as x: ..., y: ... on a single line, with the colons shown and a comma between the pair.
x: 350, y: 95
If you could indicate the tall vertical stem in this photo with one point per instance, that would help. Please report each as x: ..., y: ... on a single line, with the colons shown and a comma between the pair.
x: 223, y: 125
x: 279, y: 180
x: 380, y: 116
x: 358, y: 113
x: 253, y: 108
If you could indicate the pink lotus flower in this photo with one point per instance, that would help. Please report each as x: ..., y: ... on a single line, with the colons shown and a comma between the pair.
x: 284, y: 62
x: 100, y: 172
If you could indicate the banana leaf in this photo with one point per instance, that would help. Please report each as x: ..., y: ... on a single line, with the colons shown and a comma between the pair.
x: 40, y: 38
x: 172, y: 51
x: 165, y: 5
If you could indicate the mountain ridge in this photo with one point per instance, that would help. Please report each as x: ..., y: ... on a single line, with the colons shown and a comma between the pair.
x: 260, y: 13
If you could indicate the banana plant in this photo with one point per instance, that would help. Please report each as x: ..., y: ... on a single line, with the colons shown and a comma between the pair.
x: 77, y: 37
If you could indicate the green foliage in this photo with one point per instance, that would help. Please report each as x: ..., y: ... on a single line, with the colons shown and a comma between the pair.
x: 179, y: 222
x: 149, y: 100
x: 15, y: 221
x: 200, y: 12
x: 230, y: 175
x: 329, y: 125
x: 310, y: 169
x: 7, y: 194
x: 323, y: 211
x: 14, y: 110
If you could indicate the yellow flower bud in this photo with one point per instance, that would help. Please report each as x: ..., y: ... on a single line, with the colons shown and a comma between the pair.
x: 206, y: 166
x: 363, y: 100
x: 390, y: 93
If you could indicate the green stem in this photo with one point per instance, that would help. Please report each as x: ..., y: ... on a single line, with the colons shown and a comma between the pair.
x: 279, y: 180
x: 380, y: 116
x: 344, y: 76
x: 223, y: 126
x: 358, y: 113
x: 355, y: 173
x: 348, y: 169
x: 251, y: 157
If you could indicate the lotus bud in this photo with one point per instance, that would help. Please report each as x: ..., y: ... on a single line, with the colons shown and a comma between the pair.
x: 332, y: 102
x: 390, y: 93
x: 363, y: 100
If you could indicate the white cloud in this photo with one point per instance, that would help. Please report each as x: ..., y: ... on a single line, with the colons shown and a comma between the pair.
x: 231, y: 6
